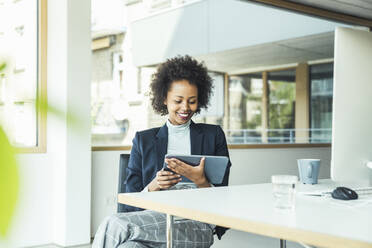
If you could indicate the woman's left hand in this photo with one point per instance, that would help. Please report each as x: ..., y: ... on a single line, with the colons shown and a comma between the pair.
x: 194, y: 173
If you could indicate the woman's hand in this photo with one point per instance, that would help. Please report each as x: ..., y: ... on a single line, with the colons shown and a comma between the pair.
x: 194, y: 173
x: 164, y: 180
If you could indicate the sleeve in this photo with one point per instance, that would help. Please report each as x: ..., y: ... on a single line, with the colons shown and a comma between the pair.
x: 222, y: 150
x: 134, y: 172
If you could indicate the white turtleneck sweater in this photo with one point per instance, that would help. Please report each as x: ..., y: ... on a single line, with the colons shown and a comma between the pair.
x: 179, y: 138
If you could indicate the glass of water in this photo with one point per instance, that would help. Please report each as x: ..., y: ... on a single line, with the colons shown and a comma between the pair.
x: 284, y: 191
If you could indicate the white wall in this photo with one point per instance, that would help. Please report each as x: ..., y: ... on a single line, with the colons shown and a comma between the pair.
x: 248, y: 166
x: 105, y: 173
x: 33, y: 218
x: 54, y: 201
x: 257, y: 165
x: 352, y: 118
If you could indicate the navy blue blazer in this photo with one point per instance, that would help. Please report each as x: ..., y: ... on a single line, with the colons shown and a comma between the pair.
x: 150, y: 146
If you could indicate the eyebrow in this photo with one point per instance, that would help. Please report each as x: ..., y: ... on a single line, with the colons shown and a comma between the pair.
x: 189, y: 97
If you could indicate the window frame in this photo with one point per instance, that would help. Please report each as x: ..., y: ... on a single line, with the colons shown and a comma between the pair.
x: 304, y: 9
x: 41, y: 82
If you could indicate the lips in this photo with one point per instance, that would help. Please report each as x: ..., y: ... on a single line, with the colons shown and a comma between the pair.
x: 184, y: 116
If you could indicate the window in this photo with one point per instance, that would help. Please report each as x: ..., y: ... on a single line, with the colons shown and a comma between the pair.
x: 109, y: 121
x: 22, y: 81
x: 321, y: 83
x: 262, y: 107
x: 117, y: 115
x: 215, y: 112
x: 281, y: 107
x: 245, y: 109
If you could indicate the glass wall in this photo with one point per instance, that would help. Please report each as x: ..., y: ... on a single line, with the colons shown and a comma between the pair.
x: 215, y: 112
x: 257, y: 113
x: 321, y: 84
x: 245, y: 109
x: 282, y: 98
x: 262, y: 107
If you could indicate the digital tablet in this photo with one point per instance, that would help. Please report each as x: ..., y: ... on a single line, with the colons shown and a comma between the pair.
x: 215, y: 166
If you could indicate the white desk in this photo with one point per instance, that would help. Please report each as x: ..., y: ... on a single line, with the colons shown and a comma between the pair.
x: 318, y: 221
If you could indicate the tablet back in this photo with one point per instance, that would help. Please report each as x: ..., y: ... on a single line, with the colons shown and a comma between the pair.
x: 215, y: 166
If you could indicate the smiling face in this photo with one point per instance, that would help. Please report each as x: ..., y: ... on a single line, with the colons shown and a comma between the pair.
x: 181, y: 101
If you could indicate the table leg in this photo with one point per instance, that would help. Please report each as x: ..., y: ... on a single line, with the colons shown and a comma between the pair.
x: 283, y: 243
x: 169, y: 231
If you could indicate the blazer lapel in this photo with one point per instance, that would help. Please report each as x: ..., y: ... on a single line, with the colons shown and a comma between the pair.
x: 161, y: 145
x: 196, y: 136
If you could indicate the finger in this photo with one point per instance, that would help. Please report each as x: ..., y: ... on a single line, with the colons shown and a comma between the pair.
x: 164, y: 173
x: 176, y: 162
x: 168, y: 183
x: 170, y: 177
x: 182, y: 166
x: 171, y: 161
x: 168, y: 172
x: 179, y: 163
x: 173, y: 166
x: 179, y: 170
x: 202, y: 162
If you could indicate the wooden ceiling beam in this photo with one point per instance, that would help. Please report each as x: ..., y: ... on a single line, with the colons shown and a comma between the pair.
x: 318, y: 12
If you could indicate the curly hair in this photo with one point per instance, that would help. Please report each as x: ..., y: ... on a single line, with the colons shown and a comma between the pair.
x: 176, y: 69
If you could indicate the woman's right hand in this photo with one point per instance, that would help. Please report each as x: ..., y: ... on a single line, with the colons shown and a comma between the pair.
x: 164, y: 180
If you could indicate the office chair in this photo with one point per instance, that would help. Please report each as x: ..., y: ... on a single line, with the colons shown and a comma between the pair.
x: 124, y: 159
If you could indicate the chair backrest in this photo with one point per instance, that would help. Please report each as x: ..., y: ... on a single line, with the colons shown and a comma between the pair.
x: 124, y: 159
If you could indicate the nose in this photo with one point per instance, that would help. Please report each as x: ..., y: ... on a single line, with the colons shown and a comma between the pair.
x: 185, y: 106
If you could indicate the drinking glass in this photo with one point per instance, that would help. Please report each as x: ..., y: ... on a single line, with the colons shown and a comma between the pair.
x: 284, y: 191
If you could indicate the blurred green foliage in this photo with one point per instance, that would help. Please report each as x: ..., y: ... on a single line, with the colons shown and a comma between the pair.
x: 9, y: 178
x: 281, y: 108
x: 9, y: 183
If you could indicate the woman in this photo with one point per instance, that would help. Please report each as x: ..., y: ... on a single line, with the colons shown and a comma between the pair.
x: 180, y: 88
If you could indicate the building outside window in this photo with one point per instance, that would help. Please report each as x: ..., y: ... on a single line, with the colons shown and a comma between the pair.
x: 20, y: 79
x: 245, y: 110
x: 281, y: 109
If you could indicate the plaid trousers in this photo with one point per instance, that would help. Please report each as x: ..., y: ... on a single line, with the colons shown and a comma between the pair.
x: 147, y: 229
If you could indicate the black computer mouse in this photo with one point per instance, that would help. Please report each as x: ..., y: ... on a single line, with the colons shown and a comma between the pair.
x: 343, y: 193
